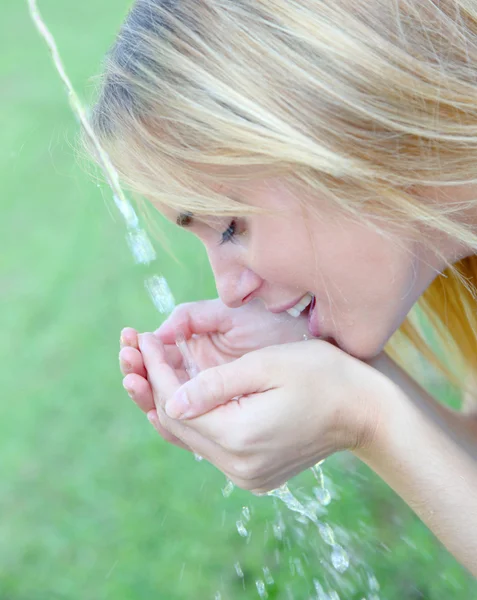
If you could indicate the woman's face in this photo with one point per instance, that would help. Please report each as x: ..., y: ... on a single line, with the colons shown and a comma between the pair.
x: 363, y: 283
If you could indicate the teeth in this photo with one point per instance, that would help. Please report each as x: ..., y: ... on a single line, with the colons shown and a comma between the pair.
x: 295, y: 311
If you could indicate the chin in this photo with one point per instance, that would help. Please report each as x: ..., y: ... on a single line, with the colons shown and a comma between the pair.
x: 364, y: 348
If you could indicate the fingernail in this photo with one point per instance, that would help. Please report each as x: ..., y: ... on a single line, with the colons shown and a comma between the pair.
x: 128, y: 389
x: 125, y: 364
x: 122, y: 339
x: 177, y: 406
x: 153, y: 420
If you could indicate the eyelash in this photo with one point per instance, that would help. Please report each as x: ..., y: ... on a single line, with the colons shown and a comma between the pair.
x: 229, y: 234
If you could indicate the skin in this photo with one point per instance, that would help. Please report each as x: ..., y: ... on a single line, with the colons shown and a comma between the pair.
x: 300, y: 402
x: 364, y: 283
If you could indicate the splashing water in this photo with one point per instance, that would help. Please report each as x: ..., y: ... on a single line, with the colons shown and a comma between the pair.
x: 321, y: 492
x: 161, y: 295
x: 339, y: 557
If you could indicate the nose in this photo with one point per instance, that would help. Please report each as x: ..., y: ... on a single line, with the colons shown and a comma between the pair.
x: 234, y: 280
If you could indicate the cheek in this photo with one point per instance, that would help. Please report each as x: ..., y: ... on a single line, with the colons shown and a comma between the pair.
x: 380, y: 295
x: 359, y: 266
x: 279, y: 258
x: 365, y: 286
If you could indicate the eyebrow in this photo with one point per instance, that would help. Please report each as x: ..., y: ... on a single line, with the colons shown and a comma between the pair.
x: 185, y: 219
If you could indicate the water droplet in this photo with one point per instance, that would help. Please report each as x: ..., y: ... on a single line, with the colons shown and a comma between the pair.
x: 241, y: 529
x: 322, y: 495
x: 327, y: 534
x: 278, y: 531
x: 160, y: 293
x: 140, y: 246
x: 198, y: 457
x: 321, y: 595
x: 339, y: 558
x: 291, y: 565
x: 262, y: 592
x: 299, y: 567
x: 246, y: 513
x: 268, y: 576
x: 284, y: 494
x: 373, y: 583
x: 228, y: 489
x: 238, y: 570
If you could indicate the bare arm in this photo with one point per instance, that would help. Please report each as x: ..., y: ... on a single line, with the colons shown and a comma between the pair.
x: 428, y: 455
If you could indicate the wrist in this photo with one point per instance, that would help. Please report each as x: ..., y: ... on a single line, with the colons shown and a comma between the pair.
x: 401, y: 405
x: 381, y: 409
x: 360, y: 419
x: 392, y: 407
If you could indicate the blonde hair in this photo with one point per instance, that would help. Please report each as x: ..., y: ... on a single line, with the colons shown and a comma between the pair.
x: 361, y: 102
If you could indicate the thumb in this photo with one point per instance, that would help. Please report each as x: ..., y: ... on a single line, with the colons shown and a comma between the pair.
x: 247, y: 375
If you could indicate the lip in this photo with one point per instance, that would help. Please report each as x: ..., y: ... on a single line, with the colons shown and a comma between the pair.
x: 312, y: 319
x: 284, y: 307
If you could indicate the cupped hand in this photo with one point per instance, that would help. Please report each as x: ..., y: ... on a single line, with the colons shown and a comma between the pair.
x: 136, y: 383
x: 298, y: 403
x: 215, y: 335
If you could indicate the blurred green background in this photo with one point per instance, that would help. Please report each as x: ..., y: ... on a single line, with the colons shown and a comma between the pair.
x: 93, y: 504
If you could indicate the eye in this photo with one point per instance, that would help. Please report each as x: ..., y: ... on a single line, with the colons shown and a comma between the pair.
x: 229, y: 234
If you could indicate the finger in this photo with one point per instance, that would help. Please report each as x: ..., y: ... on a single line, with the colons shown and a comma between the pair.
x: 182, y: 376
x: 163, y: 432
x: 218, y: 385
x: 130, y: 361
x: 194, y: 318
x: 173, y: 356
x: 139, y: 390
x: 164, y: 382
x: 205, y: 447
x: 194, y: 440
x: 161, y: 375
x: 128, y: 338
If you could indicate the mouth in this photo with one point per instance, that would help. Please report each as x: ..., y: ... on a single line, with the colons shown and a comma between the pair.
x: 313, y: 319
x: 301, y: 305
x: 306, y: 307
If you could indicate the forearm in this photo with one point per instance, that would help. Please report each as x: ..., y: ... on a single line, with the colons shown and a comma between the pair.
x: 430, y: 461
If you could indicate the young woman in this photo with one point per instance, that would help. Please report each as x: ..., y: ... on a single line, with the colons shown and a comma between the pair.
x: 325, y: 152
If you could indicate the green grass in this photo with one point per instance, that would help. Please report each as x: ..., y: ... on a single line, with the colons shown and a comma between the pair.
x: 93, y: 504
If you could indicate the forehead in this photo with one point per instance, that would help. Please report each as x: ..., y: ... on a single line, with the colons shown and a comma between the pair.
x: 271, y: 195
